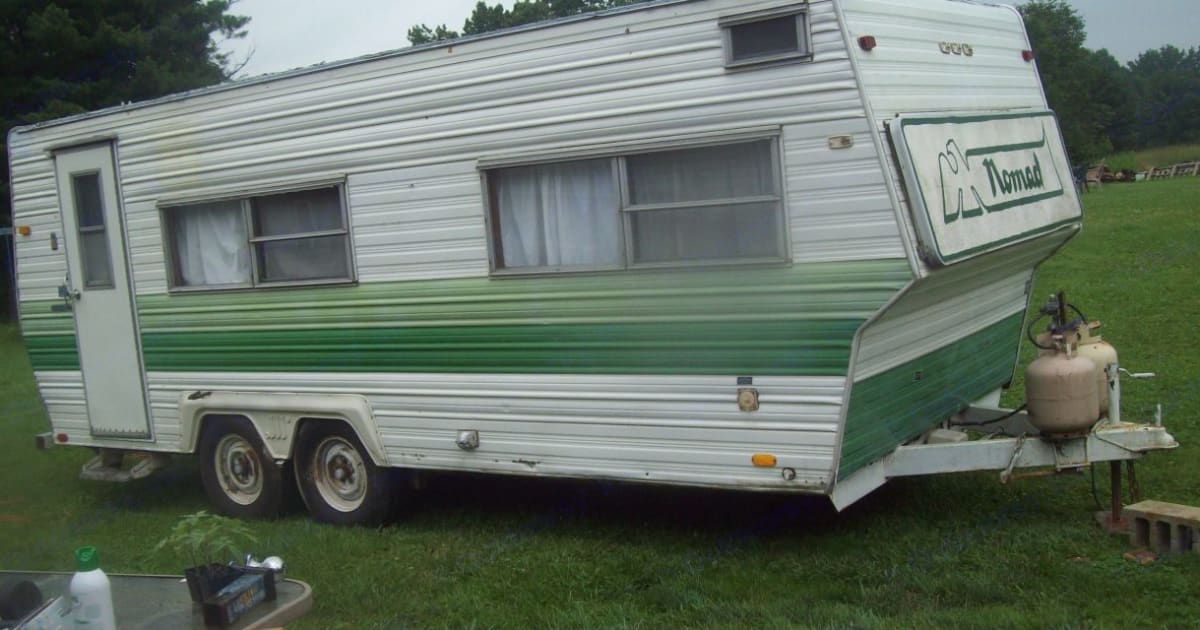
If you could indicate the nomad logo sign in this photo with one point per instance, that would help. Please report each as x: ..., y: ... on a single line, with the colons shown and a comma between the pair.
x: 993, y: 179
x: 984, y: 182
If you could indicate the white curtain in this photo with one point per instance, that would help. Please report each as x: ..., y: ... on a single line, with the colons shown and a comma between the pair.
x: 559, y: 215
x: 210, y: 244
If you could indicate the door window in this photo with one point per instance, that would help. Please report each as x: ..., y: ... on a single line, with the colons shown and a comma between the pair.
x: 93, y: 238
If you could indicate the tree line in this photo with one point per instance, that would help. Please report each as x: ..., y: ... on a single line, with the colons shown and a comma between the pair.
x: 1104, y: 106
x: 64, y: 57
x: 485, y: 18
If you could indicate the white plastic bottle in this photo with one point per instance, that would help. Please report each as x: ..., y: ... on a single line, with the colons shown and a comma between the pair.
x: 91, y: 594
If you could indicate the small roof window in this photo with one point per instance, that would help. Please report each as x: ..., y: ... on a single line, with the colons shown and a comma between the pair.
x: 767, y: 37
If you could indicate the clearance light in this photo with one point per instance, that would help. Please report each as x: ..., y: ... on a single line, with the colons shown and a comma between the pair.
x: 763, y: 460
x: 867, y: 42
x: 61, y: 437
x: 1028, y: 55
x: 24, y: 230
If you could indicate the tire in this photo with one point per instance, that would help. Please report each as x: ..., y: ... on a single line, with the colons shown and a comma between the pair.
x: 239, y: 476
x: 337, y: 479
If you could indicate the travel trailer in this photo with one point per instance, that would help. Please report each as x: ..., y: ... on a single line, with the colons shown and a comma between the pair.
x: 763, y: 245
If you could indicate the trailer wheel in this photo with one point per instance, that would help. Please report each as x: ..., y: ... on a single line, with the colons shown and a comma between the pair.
x: 239, y: 476
x: 337, y: 479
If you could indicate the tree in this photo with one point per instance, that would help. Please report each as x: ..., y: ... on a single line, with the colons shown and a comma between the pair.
x: 63, y: 57
x: 1086, y: 89
x: 485, y: 18
x: 422, y: 34
x: 77, y: 55
x: 1168, y: 83
x: 1111, y: 88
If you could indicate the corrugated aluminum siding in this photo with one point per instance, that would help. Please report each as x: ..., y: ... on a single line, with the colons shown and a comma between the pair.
x: 962, y: 312
x: 940, y: 311
x: 648, y: 428
x: 908, y: 72
x: 431, y: 114
x: 406, y: 132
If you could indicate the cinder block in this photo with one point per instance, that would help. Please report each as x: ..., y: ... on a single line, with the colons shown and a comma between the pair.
x: 1164, y: 527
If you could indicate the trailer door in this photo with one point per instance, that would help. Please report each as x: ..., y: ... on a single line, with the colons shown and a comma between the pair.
x: 99, y: 292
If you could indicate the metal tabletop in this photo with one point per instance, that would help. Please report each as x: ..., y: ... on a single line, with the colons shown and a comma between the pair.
x: 163, y: 601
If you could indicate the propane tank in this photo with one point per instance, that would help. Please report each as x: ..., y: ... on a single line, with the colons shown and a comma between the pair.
x: 1103, y: 355
x: 1060, y: 390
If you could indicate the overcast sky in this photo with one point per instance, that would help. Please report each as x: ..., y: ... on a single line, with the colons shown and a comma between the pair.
x: 287, y: 34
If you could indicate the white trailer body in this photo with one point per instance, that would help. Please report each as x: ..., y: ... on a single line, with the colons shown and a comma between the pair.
x: 757, y: 245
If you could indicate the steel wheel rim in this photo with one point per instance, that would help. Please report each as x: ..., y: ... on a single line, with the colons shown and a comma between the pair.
x: 339, y: 474
x: 239, y: 470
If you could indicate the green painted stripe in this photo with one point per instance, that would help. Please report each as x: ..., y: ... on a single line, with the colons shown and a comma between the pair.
x: 797, y: 320
x: 844, y: 291
x: 772, y: 321
x: 52, y: 352
x: 49, y: 336
x: 38, y: 319
x: 892, y: 408
x: 791, y: 348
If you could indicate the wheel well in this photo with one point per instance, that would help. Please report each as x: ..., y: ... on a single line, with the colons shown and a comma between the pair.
x: 278, y: 417
x: 310, y: 420
x: 209, y: 418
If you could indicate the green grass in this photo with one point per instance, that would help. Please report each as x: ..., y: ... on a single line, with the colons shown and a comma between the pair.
x: 1147, y: 159
x: 958, y: 551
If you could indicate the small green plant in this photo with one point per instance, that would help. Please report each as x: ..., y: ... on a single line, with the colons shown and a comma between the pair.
x: 206, y: 538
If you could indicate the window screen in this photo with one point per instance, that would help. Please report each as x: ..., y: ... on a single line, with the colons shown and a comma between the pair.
x: 765, y: 38
x: 712, y: 233
x: 711, y: 203
x: 300, y: 236
x: 720, y: 172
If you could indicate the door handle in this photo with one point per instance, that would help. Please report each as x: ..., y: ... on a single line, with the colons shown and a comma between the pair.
x: 67, y: 293
x: 68, y: 296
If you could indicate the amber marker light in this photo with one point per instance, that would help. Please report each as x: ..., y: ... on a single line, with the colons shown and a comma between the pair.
x: 763, y: 460
x: 24, y: 230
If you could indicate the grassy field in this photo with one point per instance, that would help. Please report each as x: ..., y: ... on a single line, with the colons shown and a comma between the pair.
x: 1161, y: 156
x: 957, y: 551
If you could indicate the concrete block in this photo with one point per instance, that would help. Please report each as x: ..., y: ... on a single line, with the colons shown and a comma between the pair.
x: 1164, y: 527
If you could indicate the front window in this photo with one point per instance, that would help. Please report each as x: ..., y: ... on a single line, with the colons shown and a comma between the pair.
x: 710, y: 204
x: 283, y: 238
